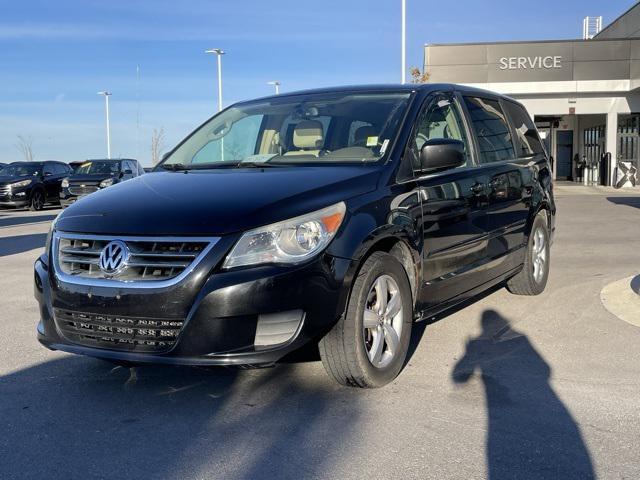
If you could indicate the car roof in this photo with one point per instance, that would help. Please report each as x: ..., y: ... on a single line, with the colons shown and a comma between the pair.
x: 106, y: 160
x: 384, y: 88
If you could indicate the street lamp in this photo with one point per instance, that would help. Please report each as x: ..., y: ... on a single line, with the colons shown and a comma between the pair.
x: 276, y: 84
x: 404, y: 41
x: 218, y: 52
x: 106, y: 108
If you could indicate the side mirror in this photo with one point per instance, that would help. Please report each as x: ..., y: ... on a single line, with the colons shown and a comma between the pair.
x: 441, y: 154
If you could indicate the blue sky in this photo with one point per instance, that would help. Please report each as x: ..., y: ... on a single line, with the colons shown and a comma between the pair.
x: 55, y: 56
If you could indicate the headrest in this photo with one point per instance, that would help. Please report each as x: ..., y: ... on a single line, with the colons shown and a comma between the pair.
x: 308, y: 134
x: 362, y: 133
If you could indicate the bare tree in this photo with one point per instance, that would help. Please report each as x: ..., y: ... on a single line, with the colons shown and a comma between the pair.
x: 25, y: 146
x: 418, y: 76
x: 157, y: 144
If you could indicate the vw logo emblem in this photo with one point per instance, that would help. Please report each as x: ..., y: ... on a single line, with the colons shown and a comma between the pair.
x: 114, y: 257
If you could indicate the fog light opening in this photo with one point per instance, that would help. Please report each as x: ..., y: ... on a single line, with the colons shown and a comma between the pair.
x: 277, y: 328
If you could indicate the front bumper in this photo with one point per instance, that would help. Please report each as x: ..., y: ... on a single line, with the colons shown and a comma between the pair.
x: 222, y: 311
x: 14, y: 200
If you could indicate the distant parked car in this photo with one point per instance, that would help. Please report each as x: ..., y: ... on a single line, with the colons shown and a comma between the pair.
x: 2, y: 165
x: 94, y: 175
x: 32, y: 184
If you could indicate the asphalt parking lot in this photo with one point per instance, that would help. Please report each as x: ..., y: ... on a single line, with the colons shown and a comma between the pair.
x: 508, y: 387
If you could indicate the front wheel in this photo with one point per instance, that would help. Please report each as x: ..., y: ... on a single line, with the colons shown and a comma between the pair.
x: 532, y: 279
x: 368, y: 346
x: 37, y: 201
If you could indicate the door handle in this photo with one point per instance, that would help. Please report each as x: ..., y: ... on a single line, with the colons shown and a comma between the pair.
x: 478, y: 188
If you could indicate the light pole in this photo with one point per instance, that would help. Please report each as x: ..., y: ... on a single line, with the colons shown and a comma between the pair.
x: 276, y: 84
x: 218, y: 52
x: 106, y: 108
x: 404, y: 40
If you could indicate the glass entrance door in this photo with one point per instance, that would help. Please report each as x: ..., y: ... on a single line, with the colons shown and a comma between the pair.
x: 628, y: 142
x: 564, y: 153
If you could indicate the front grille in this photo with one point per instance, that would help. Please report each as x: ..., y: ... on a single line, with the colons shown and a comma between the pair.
x: 5, y: 190
x: 82, y: 189
x: 151, y: 259
x: 117, y: 332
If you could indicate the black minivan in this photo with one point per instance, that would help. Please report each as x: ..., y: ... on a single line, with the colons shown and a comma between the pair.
x: 335, y: 217
x: 93, y: 175
x: 32, y: 184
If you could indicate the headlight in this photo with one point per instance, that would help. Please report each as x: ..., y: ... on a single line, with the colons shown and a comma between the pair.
x: 106, y: 183
x: 47, y: 243
x: 21, y: 184
x: 65, y: 183
x: 291, y: 241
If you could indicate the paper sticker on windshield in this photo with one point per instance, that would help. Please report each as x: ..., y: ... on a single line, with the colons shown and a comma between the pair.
x: 372, y: 141
x: 384, y: 146
x: 443, y: 103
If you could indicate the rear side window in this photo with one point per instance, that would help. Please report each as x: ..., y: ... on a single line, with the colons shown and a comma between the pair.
x: 528, y: 138
x: 492, y: 129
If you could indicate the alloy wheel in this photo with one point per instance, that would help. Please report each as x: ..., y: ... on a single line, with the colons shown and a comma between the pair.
x: 37, y: 201
x: 382, y: 322
x: 539, y: 254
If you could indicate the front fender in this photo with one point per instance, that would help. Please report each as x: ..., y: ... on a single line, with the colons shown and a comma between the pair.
x: 377, y: 221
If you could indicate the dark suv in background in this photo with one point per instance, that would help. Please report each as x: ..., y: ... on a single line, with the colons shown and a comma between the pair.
x: 32, y: 184
x: 335, y: 217
x: 94, y: 175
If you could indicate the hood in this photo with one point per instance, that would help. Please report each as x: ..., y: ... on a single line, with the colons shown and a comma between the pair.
x: 214, y: 202
x: 4, y: 179
x: 89, y: 178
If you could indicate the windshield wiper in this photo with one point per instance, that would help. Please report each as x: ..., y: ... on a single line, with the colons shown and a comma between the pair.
x: 174, y: 167
x: 250, y: 164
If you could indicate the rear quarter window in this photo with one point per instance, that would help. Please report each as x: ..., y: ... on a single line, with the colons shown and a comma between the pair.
x: 528, y: 140
x: 491, y: 128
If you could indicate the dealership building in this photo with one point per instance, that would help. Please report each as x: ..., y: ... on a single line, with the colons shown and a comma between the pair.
x: 584, y: 95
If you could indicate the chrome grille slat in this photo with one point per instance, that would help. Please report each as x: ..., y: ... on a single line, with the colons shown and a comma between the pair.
x: 80, y: 260
x: 85, y: 190
x: 158, y: 264
x: 76, y: 251
x: 153, y: 261
x: 5, y: 190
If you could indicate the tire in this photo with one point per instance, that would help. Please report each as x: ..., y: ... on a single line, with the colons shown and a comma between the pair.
x: 347, y: 349
x: 37, y: 201
x: 532, y: 279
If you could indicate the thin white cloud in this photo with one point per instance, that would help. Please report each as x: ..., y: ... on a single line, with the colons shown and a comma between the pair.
x: 141, y: 32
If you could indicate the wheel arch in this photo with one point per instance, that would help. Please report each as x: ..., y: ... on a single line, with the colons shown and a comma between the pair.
x: 399, y: 245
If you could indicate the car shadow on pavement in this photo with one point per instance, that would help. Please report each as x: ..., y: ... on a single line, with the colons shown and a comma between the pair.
x: 21, y: 243
x: 628, y: 201
x: 531, y: 434
x: 15, y: 220
x: 77, y: 417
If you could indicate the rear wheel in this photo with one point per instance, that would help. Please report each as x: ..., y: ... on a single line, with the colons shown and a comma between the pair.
x: 368, y: 346
x: 37, y: 200
x: 532, y: 280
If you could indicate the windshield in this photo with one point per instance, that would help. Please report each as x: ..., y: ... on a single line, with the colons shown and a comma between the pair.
x: 98, y: 167
x: 21, y: 170
x: 316, y: 128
